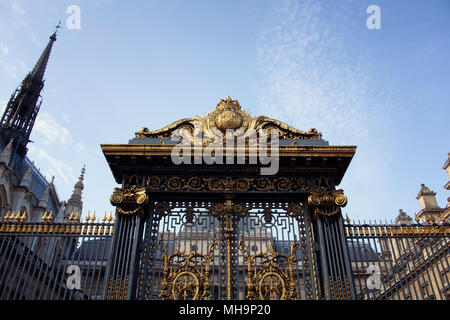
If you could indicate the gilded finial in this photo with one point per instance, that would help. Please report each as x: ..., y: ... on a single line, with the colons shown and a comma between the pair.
x: 24, y: 216
x: 347, y: 219
x: 6, y: 217
x: 44, y: 216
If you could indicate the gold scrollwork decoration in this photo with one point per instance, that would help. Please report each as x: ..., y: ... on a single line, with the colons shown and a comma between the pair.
x: 187, y: 276
x: 270, y: 274
x: 228, y: 115
x: 129, y: 201
x: 295, y: 210
x: 278, y: 184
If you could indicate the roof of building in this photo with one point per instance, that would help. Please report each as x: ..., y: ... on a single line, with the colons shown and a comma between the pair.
x: 39, y: 183
x: 361, y: 252
x: 94, y: 249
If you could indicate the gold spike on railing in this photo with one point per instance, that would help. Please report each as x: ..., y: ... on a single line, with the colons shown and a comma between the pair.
x: 17, y: 217
x: 5, y: 221
x: 113, y: 221
x: 102, y: 229
x: 78, y: 222
x: 93, y: 219
x: 16, y: 222
x: 108, y: 228
x: 90, y: 225
x: 23, y: 217
x: 45, y: 221
x: 11, y: 220
x: 88, y: 217
x: 35, y: 228
x: 347, y: 219
x: 8, y: 220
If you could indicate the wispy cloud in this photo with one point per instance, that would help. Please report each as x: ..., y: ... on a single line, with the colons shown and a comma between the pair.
x: 17, y: 8
x: 53, y: 143
x: 12, y: 69
x: 66, y: 118
x: 8, y: 69
x: 4, y: 49
x: 17, y: 11
x: 57, y: 151
x: 35, y: 39
x: 310, y: 77
x: 22, y: 65
x: 14, y: 6
x: 51, y: 131
x: 52, y: 165
x: 308, y: 74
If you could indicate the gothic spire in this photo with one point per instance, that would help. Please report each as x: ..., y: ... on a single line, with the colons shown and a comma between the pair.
x: 75, y: 204
x: 21, y: 111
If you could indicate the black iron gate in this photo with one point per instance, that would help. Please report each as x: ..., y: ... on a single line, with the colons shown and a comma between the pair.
x: 220, y: 250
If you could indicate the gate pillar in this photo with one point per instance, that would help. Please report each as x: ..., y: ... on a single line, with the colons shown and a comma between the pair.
x: 334, y: 260
x: 121, y: 275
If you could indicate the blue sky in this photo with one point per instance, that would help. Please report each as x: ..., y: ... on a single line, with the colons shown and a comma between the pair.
x: 312, y: 64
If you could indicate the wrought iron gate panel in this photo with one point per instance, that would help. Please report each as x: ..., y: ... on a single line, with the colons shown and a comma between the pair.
x: 176, y: 227
x: 203, y: 244
x: 282, y: 230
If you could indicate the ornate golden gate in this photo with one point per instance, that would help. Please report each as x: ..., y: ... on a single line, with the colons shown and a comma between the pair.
x: 199, y: 218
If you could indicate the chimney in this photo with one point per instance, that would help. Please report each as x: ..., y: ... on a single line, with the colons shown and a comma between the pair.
x: 431, y: 211
x: 403, y: 218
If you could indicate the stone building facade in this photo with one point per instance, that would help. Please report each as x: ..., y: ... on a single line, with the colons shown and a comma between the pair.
x: 430, y: 211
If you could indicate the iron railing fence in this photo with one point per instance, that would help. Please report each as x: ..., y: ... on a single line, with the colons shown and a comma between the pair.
x: 399, y: 262
x: 54, y: 261
x: 68, y: 261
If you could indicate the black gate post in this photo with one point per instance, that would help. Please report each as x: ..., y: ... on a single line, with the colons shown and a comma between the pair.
x: 122, y: 272
x: 335, y: 265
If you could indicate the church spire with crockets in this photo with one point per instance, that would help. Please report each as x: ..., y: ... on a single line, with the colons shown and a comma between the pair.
x: 75, y: 203
x: 23, y: 107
